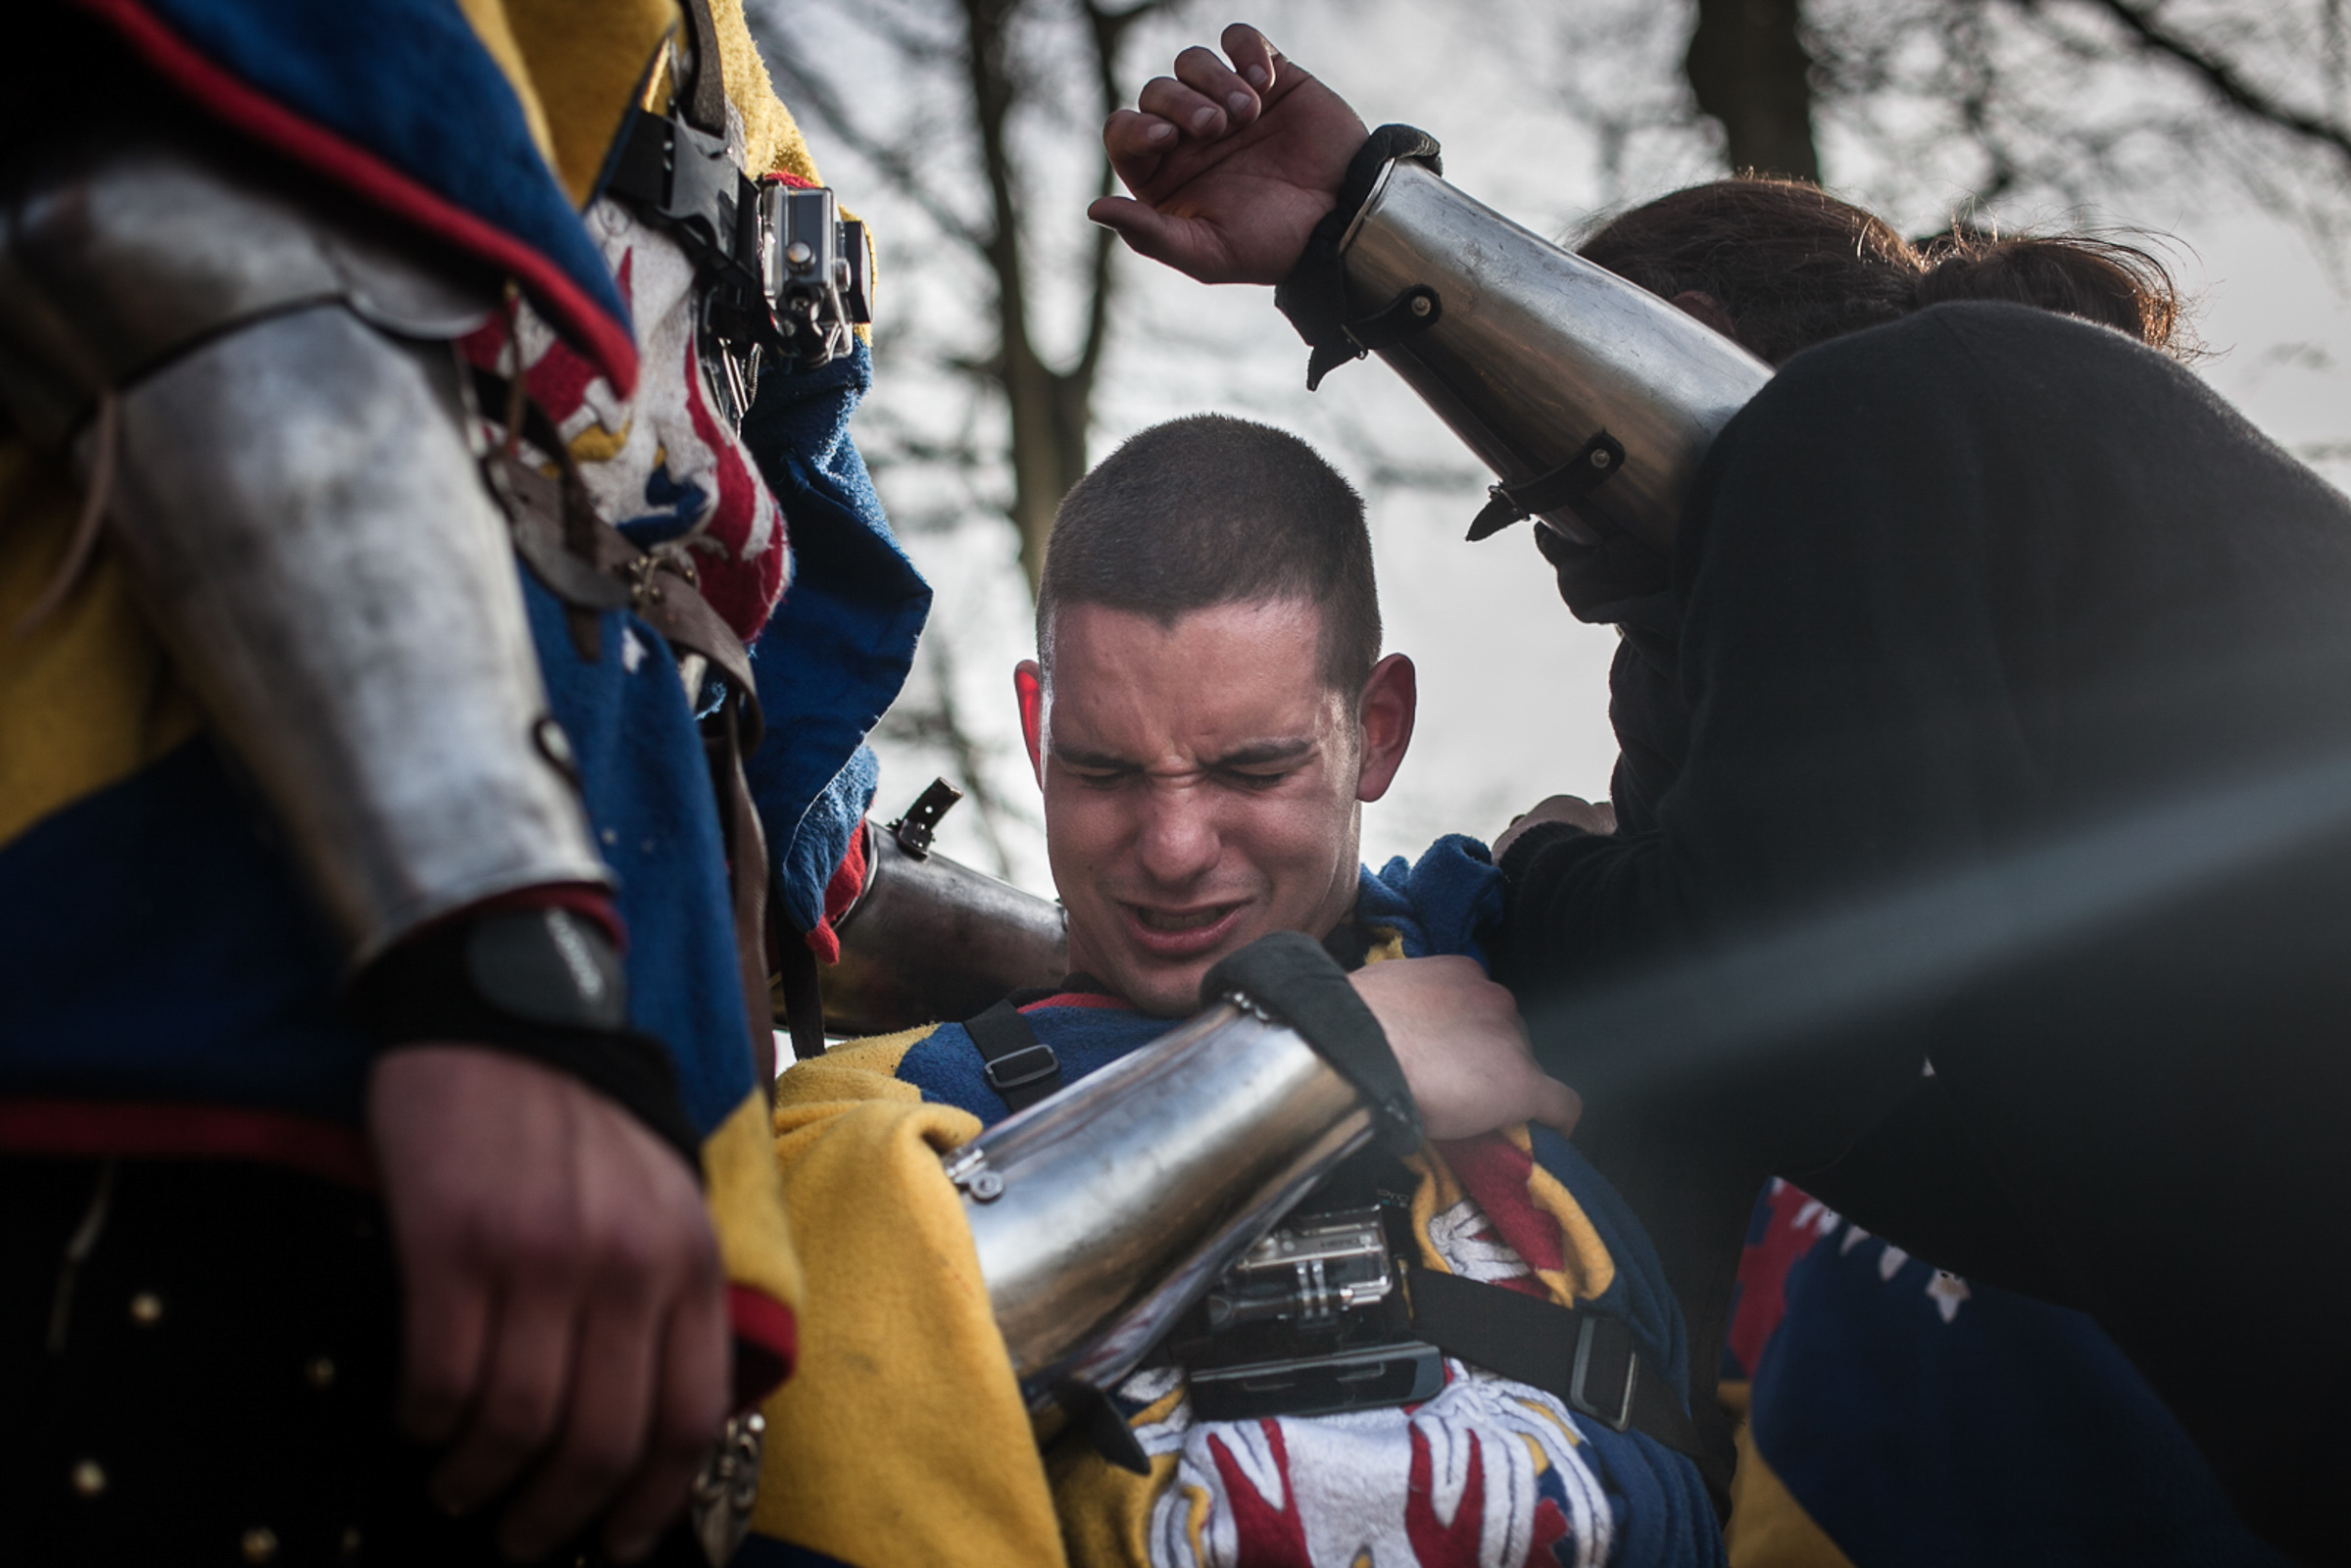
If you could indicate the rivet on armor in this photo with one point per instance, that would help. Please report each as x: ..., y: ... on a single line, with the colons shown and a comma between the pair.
x: 260, y: 1545
x: 1599, y: 457
x: 88, y: 1479
x: 319, y: 1373
x: 146, y: 1309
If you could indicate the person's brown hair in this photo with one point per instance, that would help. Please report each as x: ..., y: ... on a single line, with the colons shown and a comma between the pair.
x: 1792, y: 266
x: 1211, y: 510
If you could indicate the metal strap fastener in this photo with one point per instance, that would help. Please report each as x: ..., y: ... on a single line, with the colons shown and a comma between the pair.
x: 1415, y: 310
x: 1615, y: 1366
x: 1597, y: 462
x: 1020, y: 1068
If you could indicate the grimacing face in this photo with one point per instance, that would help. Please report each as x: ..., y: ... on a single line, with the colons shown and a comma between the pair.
x: 1203, y: 786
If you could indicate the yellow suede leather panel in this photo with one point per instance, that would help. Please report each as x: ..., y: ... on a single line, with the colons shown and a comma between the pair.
x: 902, y: 1436
x: 746, y: 1203
x: 1769, y: 1528
x: 772, y: 139
x: 90, y: 697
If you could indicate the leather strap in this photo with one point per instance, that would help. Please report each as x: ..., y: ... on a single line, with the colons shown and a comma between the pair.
x: 592, y: 566
x: 1019, y: 1067
x: 1585, y: 1358
x: 1591, y: 467
x: 704, y: 104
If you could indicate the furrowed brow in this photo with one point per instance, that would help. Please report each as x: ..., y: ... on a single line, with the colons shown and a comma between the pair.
x: 1097, y: 762
x: 1259, y: 754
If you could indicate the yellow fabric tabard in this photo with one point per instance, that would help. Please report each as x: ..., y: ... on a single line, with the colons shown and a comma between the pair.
x: 902, y: 1437
x: 746, y: 1203
x: 89, y: 698
x: 1769, y: 1528
x: 577, y: 66
x: 1106, y: 1508
x: 582, y: 62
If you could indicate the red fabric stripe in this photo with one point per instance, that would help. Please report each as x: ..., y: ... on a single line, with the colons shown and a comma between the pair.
x: 848, y: 880
x: 603, y: 339
x: 766, y: 1343
x: 1075, y: 998
x: 147, y: 1130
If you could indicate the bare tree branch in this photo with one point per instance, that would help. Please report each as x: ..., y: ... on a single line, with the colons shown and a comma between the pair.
x: 2223, y: 76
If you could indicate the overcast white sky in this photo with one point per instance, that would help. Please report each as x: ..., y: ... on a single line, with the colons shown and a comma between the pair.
x: 1513, y: 690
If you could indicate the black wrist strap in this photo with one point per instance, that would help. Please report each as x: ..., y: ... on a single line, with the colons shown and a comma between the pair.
x: 1290, y: 975
x: 1314, y: 294
x: 539, y: 982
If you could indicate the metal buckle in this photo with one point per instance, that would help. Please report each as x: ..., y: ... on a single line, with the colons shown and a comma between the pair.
x: 1577, y: 1399
x: 1003, y: 1075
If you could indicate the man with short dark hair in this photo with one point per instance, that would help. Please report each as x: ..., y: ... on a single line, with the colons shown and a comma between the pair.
x: 1207, y: 714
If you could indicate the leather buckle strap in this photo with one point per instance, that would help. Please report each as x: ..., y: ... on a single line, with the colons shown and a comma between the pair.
x: 1017, y: 1065
x: 1031, y: 1064
x: 1607, y: 1371
x: 1596, y: 463
x: 1589, y: 1360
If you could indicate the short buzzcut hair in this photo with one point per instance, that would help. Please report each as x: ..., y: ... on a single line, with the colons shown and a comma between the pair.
x: 1209, y: 509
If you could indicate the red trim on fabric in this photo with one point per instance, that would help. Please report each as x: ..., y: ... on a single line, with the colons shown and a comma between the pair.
x: 1076, y: 999
x: 785, y: 178
x: 147, y: 1130
x: 1763, y: 1267
x: 604, y: 340
x: 766, y: 1343
x: 849, y: 881
x: 1494, y: 1172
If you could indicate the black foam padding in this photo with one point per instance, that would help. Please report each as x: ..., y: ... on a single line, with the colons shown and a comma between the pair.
x: 430, y: 991
x: 1314, y: 294
x: 1290, y: 977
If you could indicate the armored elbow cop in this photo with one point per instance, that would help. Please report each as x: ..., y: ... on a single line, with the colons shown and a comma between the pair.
x: 1592, y: 399
x: 293, y: 490
x: 1101, y: 1213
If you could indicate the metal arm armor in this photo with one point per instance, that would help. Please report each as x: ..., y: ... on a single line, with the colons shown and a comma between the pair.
x: 297, y: 501
x: 1593, y: 398
x: 1102, y: 1212
x: 931, y: 938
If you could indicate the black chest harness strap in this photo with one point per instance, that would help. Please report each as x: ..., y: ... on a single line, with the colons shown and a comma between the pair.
x: 1584, y: 1358
x: 1019, y: 1066
x: 1581, y: 1357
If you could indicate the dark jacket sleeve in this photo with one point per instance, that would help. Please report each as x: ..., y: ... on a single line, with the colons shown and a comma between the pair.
x: 1849, y: 734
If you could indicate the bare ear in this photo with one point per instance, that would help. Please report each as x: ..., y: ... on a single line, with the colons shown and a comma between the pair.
x: 1385, y: 713
x: 1028, y: 689
x: 1701, y: 306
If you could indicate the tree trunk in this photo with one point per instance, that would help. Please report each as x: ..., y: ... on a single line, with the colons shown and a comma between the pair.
x: 1750, y: 71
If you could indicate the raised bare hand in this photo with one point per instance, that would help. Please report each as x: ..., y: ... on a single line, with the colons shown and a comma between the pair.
x: 565, y: 1318
x: 1463, y: 1047
x: 1231, y: 165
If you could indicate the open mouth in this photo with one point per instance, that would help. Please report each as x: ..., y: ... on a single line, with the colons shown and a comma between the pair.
x: 1181, y: 933
x: 1183, y: 919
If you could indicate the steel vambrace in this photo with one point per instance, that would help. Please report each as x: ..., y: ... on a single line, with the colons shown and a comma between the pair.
x: 297, y: 501
x: 1101, y: 1213
x: 931, y: 938
x: 1591, y: 397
